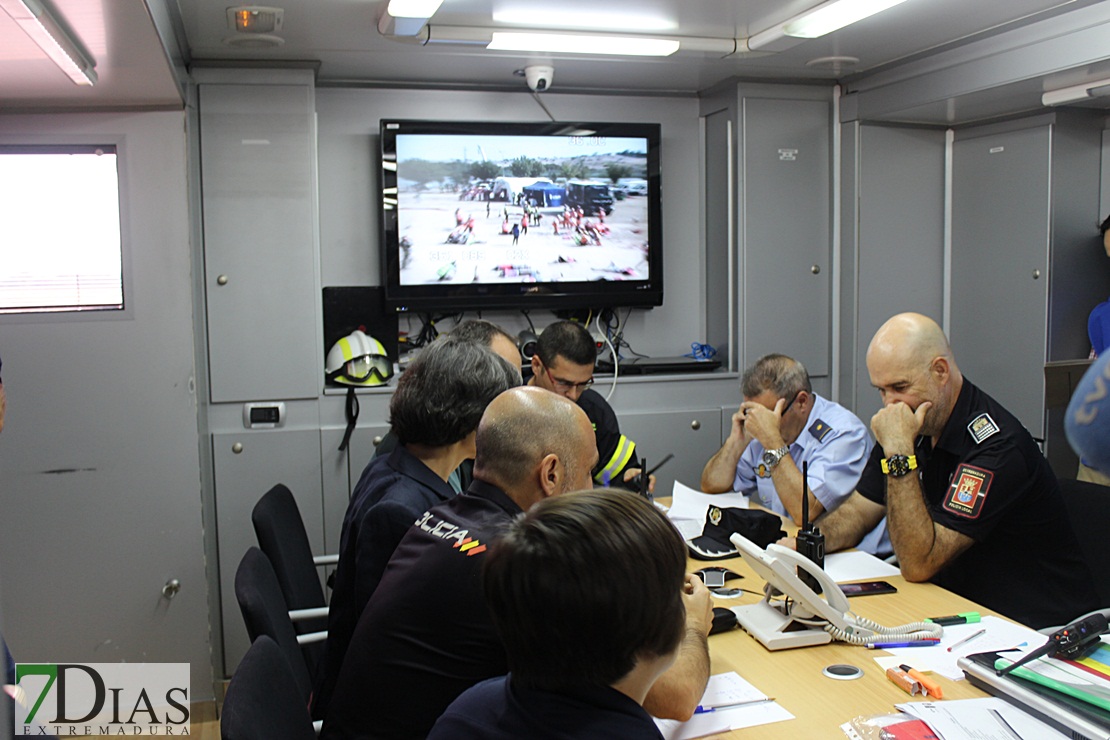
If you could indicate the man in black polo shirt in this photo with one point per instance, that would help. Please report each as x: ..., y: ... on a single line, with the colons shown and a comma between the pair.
x: 564, y: 364
x: 971, y: 503
x: 426, y: 634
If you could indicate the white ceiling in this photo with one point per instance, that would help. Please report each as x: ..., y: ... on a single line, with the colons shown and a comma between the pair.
x: 340, y: 37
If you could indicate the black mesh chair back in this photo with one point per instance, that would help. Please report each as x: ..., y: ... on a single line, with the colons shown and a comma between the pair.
x: 263, y: 702
x: 265, y: 614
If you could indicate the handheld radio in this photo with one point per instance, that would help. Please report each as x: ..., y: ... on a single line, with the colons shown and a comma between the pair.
x: 811, y: 542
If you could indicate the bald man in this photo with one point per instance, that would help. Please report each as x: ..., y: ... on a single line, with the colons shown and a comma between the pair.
x: 426, y: 635
x: 970, y: 501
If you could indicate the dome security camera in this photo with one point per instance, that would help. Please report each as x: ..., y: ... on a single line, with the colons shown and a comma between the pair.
x: 539, y: 76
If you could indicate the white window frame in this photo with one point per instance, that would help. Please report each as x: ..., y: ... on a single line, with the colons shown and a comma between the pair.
x: 80, y: 142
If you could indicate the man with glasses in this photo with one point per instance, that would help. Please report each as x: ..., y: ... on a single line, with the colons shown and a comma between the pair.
x: 564, y: 364
x: 781, y: 424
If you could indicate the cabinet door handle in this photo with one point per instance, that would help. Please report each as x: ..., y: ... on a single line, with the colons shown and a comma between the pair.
x: 221, y: 280
x: 1036, y: 274
x: 816, y: 269
x: 695, y: 425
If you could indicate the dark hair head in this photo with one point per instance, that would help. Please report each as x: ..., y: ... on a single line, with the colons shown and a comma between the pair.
x: 584, y: 585
x: 568, y: 340
x: 441, y: 396
x: 479, y: 331
x: 783, y: 375
x: 1104, y: 227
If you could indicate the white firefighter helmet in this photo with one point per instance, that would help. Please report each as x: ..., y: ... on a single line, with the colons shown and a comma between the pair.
x: 359, y: 359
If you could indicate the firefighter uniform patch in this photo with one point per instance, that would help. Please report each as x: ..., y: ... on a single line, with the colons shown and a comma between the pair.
x: 981, y: 427
x: 820, y: 430
x: 968, y: 491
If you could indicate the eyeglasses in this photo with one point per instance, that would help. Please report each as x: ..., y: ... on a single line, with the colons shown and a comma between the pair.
x: 791, y: 403
x: 566, y: 385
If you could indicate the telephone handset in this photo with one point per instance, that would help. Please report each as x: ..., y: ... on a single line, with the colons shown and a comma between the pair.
x: 808, y: 619
x: 779, y: 566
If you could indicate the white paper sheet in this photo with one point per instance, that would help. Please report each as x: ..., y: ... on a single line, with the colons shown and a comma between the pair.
x: 689, y: 503
x: 982, y: 719
x: 722, y: 689
x: 856, y: 566
x: 1000, y: 635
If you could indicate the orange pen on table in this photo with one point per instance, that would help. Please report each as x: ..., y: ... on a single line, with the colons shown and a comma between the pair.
x: 930, y: 685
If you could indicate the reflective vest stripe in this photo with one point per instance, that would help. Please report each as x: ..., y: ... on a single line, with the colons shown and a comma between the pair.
x: 620, y: 458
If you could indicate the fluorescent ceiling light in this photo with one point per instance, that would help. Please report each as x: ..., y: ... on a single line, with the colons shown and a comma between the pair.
x: 828, y: 17
x: 583, y: 44
x: 589, y: 20
x: 63, y: 49
x: 407, y: 17
x: 1074, y: 93
x: 413, y: 8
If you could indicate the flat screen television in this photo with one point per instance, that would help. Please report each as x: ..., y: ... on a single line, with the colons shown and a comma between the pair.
x: 495, y: 215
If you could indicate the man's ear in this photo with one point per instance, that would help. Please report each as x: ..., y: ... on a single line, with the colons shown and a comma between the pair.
x: 941, y: 370
x: 551, y: 474
x: 537, y: 364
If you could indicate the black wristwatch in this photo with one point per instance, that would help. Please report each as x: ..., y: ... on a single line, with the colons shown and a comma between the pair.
x: 898, y: 465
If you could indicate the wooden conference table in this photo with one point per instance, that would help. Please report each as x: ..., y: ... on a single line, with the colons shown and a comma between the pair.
x: 793, y: 677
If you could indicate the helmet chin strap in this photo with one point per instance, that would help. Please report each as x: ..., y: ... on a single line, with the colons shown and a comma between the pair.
x: 352, y: 417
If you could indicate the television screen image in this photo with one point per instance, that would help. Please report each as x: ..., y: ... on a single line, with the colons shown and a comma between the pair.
x: 517, y: 215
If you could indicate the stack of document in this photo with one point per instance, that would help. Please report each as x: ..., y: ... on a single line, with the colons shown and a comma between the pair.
x: 729, y: 703
x: 1087, y: 679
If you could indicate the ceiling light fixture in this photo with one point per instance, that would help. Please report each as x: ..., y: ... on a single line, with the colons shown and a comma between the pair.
x: 823, y: 19
x: 407, y: 17
x: 1075, y: 93
x: 583, y: 44
x: 62, y: 48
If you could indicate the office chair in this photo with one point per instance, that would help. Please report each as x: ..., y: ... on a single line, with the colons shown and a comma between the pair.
x: 281, y: 536
x: 1088, y: 507
x: 265, y: 613
x: 262, y: 701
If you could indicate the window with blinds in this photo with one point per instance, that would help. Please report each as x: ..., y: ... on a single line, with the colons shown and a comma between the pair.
x: 60, y: 244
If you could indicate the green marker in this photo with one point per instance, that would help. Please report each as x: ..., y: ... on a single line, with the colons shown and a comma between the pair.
x: 961, y: 618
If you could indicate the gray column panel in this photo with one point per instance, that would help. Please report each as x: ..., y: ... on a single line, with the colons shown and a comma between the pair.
x: 1000, y: 222
x: 719, y: 310
x: 258, y: 179
x: 786, y: 232
x: 901, y: 236
x: 289, y: 456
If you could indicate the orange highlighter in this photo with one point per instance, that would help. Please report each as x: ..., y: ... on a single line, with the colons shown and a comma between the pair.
x: 930, y: 685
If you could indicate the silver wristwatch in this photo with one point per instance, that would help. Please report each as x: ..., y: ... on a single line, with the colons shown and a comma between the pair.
x: 771, y: 458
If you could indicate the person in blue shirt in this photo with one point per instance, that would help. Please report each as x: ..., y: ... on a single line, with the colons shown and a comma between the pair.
x: 781, y: 424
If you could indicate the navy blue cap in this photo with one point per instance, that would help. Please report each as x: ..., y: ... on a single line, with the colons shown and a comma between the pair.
x: 1087, y: 422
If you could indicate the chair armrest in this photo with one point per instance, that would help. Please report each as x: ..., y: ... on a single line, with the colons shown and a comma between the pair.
x: 299, y: 615
x: 325, y: 559
x: 312, y: 637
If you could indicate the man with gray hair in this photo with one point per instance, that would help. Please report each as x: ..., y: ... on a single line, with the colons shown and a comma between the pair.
x: 426, y: 635
x: 781, y: 424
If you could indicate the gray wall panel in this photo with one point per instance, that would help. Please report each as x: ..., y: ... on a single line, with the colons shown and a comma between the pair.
x: 901, y: 236
x: 1000, y: 237
x: 786, y: 230
x: 101, y: 498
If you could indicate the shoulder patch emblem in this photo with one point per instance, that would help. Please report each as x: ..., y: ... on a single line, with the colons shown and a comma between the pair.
x: 714, y: 515
x: 820, y: 430
x: 968, y: 491
x: 982, y: 427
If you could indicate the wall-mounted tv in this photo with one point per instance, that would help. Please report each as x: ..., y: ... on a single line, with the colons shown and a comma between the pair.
x: 495, y: 215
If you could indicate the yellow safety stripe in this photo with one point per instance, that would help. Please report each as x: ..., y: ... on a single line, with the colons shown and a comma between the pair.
x: 620, y: 458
